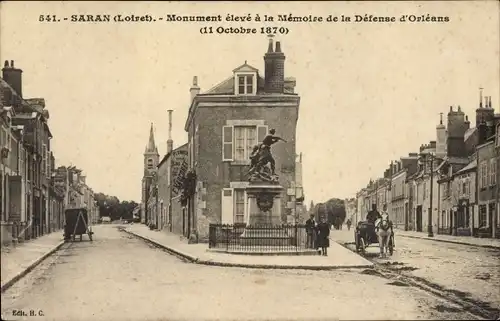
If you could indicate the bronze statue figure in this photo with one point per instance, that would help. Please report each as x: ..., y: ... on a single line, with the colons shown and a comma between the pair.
x: 261, y: 156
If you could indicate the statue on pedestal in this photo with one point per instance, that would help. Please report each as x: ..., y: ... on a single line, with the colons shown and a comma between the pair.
x: 261, y: 158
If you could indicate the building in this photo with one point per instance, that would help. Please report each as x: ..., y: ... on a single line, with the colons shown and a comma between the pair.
x: 151, y: 160
x: 26, y: 196
x: 400, y: 194
x: 223, y: 125
x: 350, y: 209
x: 487, y: 177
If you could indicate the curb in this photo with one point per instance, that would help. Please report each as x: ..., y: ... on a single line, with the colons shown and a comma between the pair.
x: 495, y: 247
x: 196, y: 260
x: 30, y: 267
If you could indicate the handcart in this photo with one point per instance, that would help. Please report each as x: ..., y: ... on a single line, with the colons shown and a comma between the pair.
x: 77, y: 223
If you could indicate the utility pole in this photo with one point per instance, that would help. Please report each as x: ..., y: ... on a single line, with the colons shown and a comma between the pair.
x: 429, y: 226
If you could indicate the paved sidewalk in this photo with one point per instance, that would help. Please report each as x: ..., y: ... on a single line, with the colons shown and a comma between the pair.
x: 338, y: 256
x: 465, y: 240
x: 18, y: 260
x: 344, y: 236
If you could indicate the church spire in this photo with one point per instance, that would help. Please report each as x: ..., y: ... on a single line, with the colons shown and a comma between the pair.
x: 151, y: 147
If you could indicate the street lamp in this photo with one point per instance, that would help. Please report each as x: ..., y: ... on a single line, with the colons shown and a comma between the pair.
x: 432, y: 158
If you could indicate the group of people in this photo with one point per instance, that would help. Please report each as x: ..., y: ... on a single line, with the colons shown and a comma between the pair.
x: 318, y: 235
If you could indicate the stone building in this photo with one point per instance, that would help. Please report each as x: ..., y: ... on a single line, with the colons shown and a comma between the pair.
x: 400, y: 194
x: 26, y: 195
x: 224, y: 124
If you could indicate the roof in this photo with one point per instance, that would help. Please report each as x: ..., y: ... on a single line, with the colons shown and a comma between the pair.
x: 226, y: 87
x: 469, y: 133
x: 151, y: 146
x: 471, y: 166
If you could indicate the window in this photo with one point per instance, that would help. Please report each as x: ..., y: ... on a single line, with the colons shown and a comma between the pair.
x: 245, y: 84
x: 21, y: 160
x: 483, y: 174
x: 150, y: 163
x: 493, y: 171
x: 238, y: 141
x: 239, y: 206
x: 4, y: 141
x: 245, y: 139
x: 44, y: 159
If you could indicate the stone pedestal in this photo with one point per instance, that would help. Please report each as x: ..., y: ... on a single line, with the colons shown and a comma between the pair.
x: 264, y: 216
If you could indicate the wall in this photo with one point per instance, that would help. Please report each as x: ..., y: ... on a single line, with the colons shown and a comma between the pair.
x: 217, y: 174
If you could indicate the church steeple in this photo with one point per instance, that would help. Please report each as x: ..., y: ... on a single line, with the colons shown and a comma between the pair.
x: 151, y: 156
x: 151, y: 146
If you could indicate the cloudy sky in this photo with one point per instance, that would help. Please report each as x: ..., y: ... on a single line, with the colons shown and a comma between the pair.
x: 370, y: 92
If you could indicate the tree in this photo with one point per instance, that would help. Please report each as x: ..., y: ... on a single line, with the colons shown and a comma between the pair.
x: 112, y: 207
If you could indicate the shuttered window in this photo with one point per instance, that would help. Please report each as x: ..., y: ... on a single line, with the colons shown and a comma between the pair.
x: 239, y: 141
x: 227, y: 143
x: 493, y: 171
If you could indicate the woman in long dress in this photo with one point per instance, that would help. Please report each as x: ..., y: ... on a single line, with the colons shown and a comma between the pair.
x: 323, y: 239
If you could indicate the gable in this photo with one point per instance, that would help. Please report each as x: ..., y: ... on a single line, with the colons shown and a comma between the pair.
x: 245, y: 68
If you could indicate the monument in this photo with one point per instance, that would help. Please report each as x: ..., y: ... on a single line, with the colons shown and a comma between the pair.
x: 264, y: 199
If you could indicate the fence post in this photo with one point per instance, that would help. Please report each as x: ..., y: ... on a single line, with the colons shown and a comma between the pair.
x: 227, y: 238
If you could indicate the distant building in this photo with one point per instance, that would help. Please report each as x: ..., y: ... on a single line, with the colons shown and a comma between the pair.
x: 151, y: 160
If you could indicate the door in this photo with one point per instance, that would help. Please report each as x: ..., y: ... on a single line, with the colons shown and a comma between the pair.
x: 406, y: 218
x: 419, y: 218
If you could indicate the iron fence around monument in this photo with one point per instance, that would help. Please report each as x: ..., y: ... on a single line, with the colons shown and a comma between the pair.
x: 259, y: 238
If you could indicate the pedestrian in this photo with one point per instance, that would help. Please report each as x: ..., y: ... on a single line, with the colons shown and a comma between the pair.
x: 311, y: 232
x: 348, y: 224
x: 323, y: 239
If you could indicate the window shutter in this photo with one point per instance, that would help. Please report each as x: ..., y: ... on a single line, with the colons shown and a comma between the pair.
x: 227, y: 206
x: 227, y: 143
x: 261, y: 132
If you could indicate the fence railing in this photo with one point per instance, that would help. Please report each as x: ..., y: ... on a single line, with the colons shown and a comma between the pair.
x: 261, y: 238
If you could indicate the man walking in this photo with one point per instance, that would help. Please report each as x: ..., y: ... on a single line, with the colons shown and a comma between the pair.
x: 311, y: 232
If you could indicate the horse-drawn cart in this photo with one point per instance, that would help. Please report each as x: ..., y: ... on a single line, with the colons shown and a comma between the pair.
x: 77, y: 223
x: 365, y: 235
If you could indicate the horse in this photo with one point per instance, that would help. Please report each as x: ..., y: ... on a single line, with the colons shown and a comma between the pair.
x: 383, y: 228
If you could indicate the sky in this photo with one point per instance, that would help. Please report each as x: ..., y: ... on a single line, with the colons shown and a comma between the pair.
x: 370, y: 92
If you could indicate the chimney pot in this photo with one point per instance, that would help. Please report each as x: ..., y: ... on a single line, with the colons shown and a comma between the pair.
x: 6, y: 64
x: 195, y: 81
x: 489, y: 102
x: 12, y: 64
x: 459, y: 108
x: 278, y: 47
x: 451, y: 108
x: 270, y: 47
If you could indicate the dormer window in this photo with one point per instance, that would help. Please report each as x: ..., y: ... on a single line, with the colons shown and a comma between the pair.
x: 246, y: 84
x: 245, y: 80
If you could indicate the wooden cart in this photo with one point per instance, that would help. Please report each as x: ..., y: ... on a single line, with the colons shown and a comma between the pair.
x: 77, y: 223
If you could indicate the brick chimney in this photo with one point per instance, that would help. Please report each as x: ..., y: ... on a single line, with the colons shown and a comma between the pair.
x: 484, y: 112
x: 440, y: 138
x: 274, y: 65
x: 13, y: 76
x: 194, y: 90
x: 170, y: 142
x: 455, y: 145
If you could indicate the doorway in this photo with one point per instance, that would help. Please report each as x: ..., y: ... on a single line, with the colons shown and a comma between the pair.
x: 419, y: 218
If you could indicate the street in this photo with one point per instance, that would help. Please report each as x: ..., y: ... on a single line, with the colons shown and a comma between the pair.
x: 119, y: 277
x: 471, y: 273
